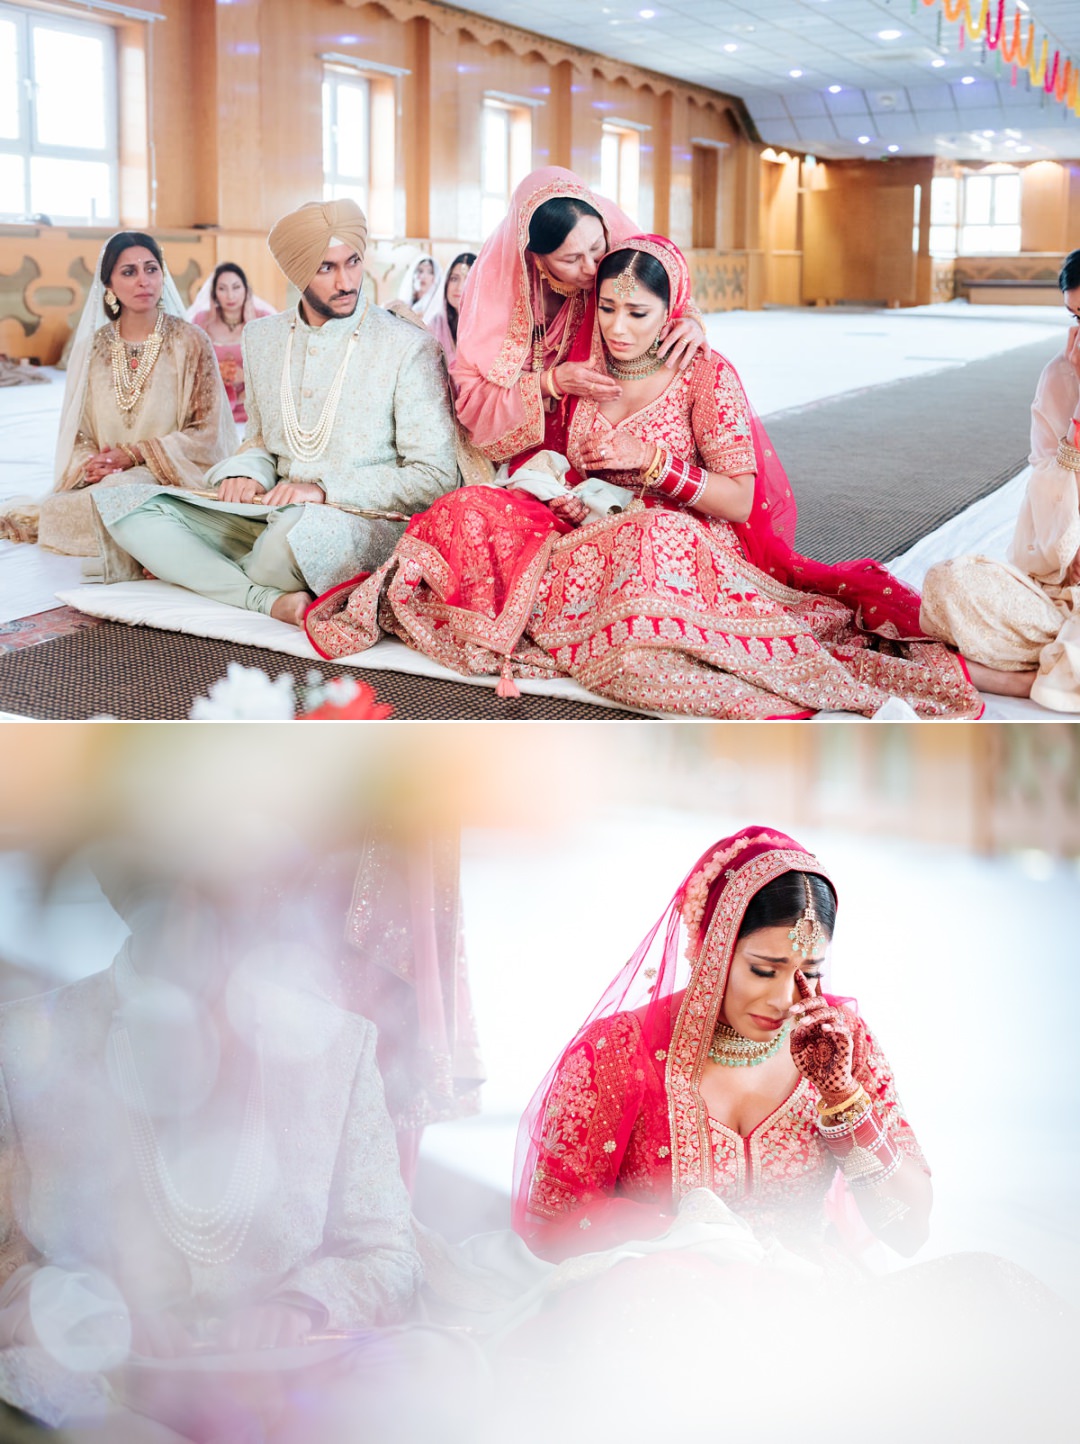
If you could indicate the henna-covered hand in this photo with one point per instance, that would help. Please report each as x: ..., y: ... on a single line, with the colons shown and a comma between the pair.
x: 569, y: 508
x: 616, y: 451
x: 828, y: 1044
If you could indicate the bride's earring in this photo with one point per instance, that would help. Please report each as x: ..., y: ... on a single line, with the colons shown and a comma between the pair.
x: 110, y: 299
x: 655, y: 347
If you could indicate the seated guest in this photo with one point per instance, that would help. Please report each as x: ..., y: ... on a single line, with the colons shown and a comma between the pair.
x: 223, y: 308
x: 349, y: 432
x: 200, y: 1189
x: 419, y: 283
x: 143, y: 399
x: 530, y: 299
x: 689, y: 599
x: 441, y: 316
x: 1018, y: 622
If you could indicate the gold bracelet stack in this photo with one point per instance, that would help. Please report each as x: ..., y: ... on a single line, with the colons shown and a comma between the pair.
x: 857, y: 1102
x: 130, y: 452
x: 1068, y: 455
x: 656, y: 467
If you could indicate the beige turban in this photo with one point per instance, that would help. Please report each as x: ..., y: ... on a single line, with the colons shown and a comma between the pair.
x: 301, y: 239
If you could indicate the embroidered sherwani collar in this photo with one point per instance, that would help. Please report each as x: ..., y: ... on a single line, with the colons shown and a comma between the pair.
x: 338, y: 326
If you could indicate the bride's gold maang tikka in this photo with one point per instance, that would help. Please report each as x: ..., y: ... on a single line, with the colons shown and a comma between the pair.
x: 808, y: 936
x: 625, y: 283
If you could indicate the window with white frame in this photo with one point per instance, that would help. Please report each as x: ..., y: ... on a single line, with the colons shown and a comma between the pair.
x: 58, y: 130
x: 505, y: 157
x: 346, y: 136
x: 990, y: 221
x: 944, y: 216
x: 620, y: 166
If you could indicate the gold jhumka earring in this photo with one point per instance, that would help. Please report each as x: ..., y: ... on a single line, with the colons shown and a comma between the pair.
x: 808, y: 936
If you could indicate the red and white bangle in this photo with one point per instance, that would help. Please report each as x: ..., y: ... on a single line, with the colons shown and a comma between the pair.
x: 677, y: 479
x: 864, y: 1150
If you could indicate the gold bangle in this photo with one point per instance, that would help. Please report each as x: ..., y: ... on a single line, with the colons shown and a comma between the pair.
x: 656, y: 466
x: 552, y: 387
x: 859, y: 1096
x: 1068, y: 456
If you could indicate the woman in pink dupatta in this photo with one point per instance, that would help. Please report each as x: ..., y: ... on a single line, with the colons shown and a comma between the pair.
x: 703, y: 609
x: 715, y: 1060
x: 525, y: 307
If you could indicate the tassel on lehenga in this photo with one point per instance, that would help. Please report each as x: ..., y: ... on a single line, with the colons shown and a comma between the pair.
x: 506, y: 686
x: 19, y: 520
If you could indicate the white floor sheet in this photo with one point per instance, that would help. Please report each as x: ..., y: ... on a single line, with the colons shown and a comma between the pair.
x: 787, y: 359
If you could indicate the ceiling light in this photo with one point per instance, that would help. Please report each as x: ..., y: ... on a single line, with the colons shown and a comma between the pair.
x: 1023, y: 5
x: 1023, y: 149
x: 864, y: 140
x: 967, y: 80
x: 835, y: 89
x: 1014, y: 133
x: 988, y: 133
x: 893, y: 149
x: 783, y: 157
x: 646, y: 14
x: 795, y: 74
x: 937, y: 62
x: 731, y: 49
x: 1010, y: 145
x: 768, y: 153
x: 889, y: 34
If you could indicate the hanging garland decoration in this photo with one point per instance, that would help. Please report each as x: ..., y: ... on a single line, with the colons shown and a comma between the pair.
x: 1056, y: 75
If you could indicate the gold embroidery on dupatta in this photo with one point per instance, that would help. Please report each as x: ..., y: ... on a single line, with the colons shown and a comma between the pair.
x: 518, y: 338
x: 692, y: 1162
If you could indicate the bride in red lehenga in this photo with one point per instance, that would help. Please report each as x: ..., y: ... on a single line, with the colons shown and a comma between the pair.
x: 714, y: 1161
x: 690, y: 600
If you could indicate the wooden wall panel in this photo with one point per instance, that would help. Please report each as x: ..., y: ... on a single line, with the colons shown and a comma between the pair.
x: 857, y: 232
x: 175, y: 91
x: 221, y: 134
x: 1044, y: 207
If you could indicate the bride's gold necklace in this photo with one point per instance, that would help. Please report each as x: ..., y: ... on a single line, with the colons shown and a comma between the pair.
x: 732, y: 1050
x: 641, y: 366
x: 132, y: 365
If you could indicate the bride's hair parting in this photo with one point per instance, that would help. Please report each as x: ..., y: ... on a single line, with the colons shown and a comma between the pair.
x: 643, y: 267
x: 783, y: 901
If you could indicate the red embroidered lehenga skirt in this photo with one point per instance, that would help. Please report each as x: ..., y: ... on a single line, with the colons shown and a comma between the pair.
x: 655, y: 607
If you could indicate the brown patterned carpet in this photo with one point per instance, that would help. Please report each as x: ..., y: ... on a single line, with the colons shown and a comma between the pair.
x: 874, y: 471
x: 142, y: 674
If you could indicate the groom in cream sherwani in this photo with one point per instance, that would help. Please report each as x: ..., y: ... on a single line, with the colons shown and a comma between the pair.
x: 350, y: 430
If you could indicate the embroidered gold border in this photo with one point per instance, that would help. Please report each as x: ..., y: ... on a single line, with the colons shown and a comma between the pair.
x: 691, y: 1152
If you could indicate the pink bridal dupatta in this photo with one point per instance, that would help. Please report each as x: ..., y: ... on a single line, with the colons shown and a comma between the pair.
x: 499, y: 401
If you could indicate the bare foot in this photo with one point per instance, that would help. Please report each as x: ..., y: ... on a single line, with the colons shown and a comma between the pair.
x: 1001, y: 684
x: 291, y: 606
x: 148, y: 576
